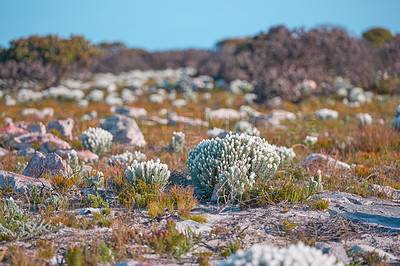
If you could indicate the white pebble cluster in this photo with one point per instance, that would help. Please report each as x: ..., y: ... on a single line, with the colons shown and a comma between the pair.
x: 97, y: 140
x: 127, y: 158
x: 151, y: 172
x: 294, y: 255
x: 213, y: 161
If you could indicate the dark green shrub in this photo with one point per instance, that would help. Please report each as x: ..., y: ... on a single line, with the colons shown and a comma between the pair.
x: 51, y: 49
x: 378, y: 36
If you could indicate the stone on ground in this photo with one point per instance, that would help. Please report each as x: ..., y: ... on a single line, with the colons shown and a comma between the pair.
x: 124, y: 130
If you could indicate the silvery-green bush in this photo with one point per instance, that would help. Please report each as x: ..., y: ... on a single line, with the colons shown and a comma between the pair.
x: 151, y: 172
x: 97, y: 140
x: 96, y: 179
x: 285, y: 154
x: 14, y: 223
x: 177, y: 142
x: 293, y: 255
x: 56, y: 201
x: 127, y: 158
x: 232, y: 162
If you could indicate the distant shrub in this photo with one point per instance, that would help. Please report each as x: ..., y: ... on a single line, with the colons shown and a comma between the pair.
x: 378, y: 36
x: 112, y: 45
x: 50, y: 49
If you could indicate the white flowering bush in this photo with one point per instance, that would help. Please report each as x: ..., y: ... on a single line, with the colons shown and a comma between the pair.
x: 364, y: 119
x: 151, y: 172
x: 96, y: 96
x: 247, y: 128
x: 326, y: 114
x: 97, y: 140
x: 232, y: 162
x: 156, y: 98
x: 127, y: 158
x: 310, y: 140
x: 240, y: 86
x: 211, y: 133
x: 252, y: 132
x: 285, y: 154
x: 113, y: 99
x: 177, y: 142
x: 62, y: 92
x: 294, y: 255
x: 242, y: 126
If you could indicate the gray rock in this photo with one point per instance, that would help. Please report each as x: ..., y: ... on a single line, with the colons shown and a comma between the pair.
x: 363, y: 249
x: 55, y: 165
x: 21, y: 183
x: 124, y: 130
x: 387, y: 190
x: 338, y: 251
x: 174, y: 119
x: 226, y: 114
x: 275, y: 117
x: 196, y: 227
x: 133, y: 263
x: 129, y: 111
x: 34, y: 167
x: 65, y: 127
x: 33, y: 127
x: 316, y: 158
x: 384, y: 214
x: 47, y: 142
x: 10, y: 131
x: 51, y: 164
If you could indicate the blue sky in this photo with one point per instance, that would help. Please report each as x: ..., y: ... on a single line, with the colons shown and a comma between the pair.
x: 181, y: 24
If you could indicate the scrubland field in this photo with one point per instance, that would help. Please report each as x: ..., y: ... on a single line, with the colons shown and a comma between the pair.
x: 173, y: 166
